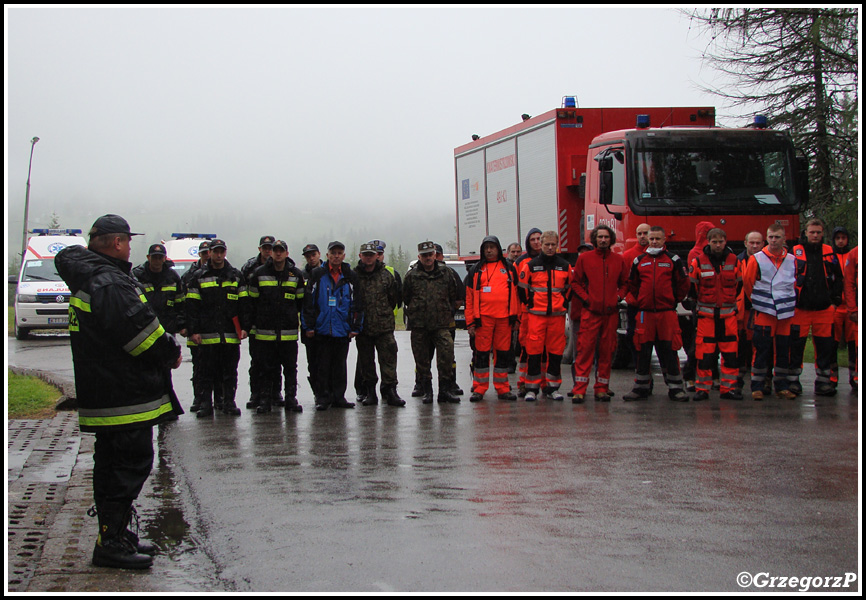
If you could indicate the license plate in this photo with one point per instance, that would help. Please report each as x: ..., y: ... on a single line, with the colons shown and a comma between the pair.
x: 58, y: 321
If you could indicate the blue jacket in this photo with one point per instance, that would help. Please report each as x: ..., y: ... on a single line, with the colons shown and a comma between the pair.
x: 332, y: 309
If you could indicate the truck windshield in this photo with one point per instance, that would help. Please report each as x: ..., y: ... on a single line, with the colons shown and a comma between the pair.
x: 40, y: 270
x: 715, y: 172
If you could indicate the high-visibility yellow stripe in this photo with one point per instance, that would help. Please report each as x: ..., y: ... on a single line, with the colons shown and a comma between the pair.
x: 145, y: 338
x: 79, y: 304
x: 115, y: 420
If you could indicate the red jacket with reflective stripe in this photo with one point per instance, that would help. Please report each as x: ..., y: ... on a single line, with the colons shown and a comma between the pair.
x: 658, y: 283
x: 716, y: 289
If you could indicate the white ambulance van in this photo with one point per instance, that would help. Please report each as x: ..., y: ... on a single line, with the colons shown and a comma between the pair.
x: 182, y: 249
x: 41, y: 297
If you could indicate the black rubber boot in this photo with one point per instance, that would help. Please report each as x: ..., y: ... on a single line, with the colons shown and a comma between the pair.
x: 390, y: 396
x: 428, y: 392
x: 229, y: 406
x: 370, y: 398
x: 114, y: 549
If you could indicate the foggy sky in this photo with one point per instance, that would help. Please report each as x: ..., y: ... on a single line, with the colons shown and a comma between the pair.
x: 302, y: 122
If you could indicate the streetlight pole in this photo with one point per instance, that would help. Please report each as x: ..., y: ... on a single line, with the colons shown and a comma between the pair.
x: 27, y: 201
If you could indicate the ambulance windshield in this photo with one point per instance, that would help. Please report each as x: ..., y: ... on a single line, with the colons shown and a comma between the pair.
x: 40, y: 270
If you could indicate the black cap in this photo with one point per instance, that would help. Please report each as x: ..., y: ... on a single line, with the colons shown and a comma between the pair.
x: 310, y: 248
x: 217, y: 243
x: 111, y: 224
x: 204, y: 246
x: 335, y: 244
x: 156, y: 250
x: 281, y: 244
x: 267, y: 240
x: 438, y: 249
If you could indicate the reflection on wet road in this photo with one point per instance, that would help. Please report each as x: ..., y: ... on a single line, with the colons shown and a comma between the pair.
x: 519, y: 497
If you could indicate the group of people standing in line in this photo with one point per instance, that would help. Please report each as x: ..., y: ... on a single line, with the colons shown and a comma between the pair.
x: 755, y: 309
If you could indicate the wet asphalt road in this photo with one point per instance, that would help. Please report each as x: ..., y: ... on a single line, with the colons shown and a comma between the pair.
x: 520, y: 497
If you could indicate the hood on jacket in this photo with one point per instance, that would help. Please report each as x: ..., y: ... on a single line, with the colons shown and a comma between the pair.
x: 526, y: 241
x: 491, y: 239
x: 832, y: 242
x: 701, y: 231
x: 77, y: 264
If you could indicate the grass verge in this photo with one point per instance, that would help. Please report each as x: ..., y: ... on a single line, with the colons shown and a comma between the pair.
x: 30, y: 397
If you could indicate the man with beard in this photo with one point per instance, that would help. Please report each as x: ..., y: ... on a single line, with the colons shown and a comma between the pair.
x: 600, y: 278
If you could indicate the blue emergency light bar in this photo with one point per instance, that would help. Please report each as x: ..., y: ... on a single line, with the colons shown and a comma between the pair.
x: 643, y: 121
x: 180, y: 236
x: 569, y: 102
x: 760, y: 122
x: 56, y: 231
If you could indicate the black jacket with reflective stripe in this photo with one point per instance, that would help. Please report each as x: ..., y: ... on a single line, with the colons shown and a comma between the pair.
x: 121, y: 354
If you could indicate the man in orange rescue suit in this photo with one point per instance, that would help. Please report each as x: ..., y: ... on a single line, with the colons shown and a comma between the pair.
x: 545, y: 286
x: 715, y: 282
x: 491, y: 313
x: 600, y: 280
x: 657, y: 282
x: 768, y: 283
x: 819, y: 291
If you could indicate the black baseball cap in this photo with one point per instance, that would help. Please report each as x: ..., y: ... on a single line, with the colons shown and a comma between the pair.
x: 281, y: 244
x: 217, y: 243
x: 111, y: 224
x: 335, y: 244
x: 156, y: 250
x: 267, y: 240
x: 309, y: 248
x: 204, y: 246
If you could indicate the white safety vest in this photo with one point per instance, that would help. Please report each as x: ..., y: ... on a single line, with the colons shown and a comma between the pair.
x: 774, y: 292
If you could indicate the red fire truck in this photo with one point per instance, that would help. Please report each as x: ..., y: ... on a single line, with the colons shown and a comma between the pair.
x: 571, y: 169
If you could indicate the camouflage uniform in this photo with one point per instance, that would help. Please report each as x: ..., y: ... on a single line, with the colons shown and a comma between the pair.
x: 430, y: 298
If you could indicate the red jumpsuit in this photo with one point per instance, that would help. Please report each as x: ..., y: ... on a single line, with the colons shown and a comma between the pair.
x: 491, y: 306
x: 599, y: 284
x: 716, y: 281
x: 656, y: 284
x: 545, y: 286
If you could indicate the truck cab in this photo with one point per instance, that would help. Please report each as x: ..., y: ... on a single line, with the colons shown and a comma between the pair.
x: 740, y: 179
x: 41, y: 295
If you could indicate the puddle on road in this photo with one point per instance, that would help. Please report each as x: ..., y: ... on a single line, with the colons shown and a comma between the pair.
x: 182, y: 561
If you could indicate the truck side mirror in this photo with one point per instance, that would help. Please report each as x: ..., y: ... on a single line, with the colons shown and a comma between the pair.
x: 606, y: 192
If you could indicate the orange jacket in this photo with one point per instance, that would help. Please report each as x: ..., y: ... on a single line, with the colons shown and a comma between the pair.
x: 492, y: 292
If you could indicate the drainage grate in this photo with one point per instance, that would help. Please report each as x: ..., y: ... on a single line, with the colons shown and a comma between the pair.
x: 24, y: 547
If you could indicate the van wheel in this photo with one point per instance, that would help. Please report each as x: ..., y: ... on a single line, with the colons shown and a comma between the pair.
x: 21, y: 333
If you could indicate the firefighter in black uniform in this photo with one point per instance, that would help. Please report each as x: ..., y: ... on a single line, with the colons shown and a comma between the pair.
x: 213, y: 302
x: 123, y: 359
x: 276, y: 298
x: 163, y: 289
